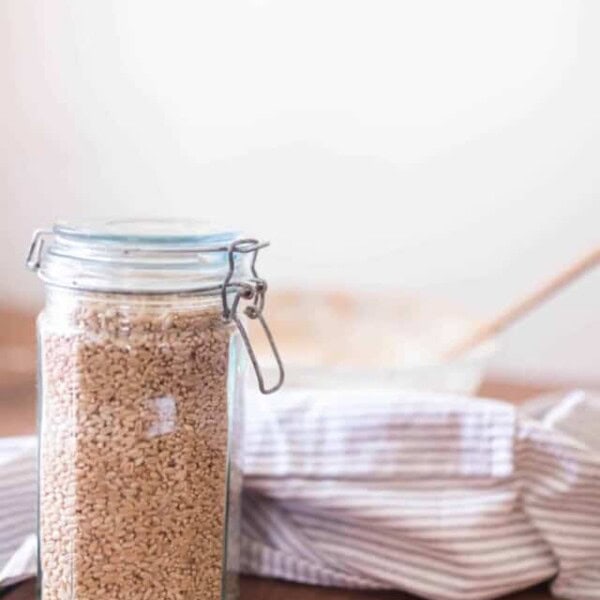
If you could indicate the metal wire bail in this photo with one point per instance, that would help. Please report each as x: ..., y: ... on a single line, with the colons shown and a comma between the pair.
x: 252, y: 291
x: 34, y: 256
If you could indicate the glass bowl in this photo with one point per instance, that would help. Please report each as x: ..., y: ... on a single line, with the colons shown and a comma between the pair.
x: 368, y: 340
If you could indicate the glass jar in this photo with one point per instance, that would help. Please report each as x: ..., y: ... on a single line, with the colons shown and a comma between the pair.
x: 141, y: 368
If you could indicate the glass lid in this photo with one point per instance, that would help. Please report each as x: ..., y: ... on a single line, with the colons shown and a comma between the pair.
x: 138, y: 255
x: 146, y: 232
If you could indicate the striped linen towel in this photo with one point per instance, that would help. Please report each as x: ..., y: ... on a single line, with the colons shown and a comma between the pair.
x: 450, y: 498
x: 18, y: 485
x: 446, y: 497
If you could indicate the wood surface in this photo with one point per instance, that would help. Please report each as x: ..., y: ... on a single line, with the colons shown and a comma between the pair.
x: 254, y: 588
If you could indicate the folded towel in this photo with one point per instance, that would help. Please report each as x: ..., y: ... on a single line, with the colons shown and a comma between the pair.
x: 447, y: 497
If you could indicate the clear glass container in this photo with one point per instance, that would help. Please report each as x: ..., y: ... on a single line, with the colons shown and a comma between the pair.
x: 141, y: 368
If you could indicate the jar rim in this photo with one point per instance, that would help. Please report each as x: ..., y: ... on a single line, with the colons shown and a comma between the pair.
x: 159, y: 232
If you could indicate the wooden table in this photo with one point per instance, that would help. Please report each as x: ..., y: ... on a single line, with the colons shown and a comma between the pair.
x: 254, y: 588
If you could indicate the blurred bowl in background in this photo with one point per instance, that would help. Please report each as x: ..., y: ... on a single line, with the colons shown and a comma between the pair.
x: 364, y: 340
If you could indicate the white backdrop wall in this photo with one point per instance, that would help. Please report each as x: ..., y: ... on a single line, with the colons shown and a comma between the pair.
x: 447, y: 147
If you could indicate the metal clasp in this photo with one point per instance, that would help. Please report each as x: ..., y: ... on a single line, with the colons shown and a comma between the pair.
x: 252, y: 291
x: 34, y: 256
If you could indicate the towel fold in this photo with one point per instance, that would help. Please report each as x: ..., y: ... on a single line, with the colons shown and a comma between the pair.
x: 448, y: 497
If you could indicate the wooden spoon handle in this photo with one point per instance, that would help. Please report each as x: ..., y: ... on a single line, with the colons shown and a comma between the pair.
x: 524, y: 305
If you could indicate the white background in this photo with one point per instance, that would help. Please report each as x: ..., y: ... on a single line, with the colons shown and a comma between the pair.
x: 449, y: 147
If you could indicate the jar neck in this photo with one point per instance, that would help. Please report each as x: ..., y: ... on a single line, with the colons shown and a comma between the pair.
x: 65, y: 299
